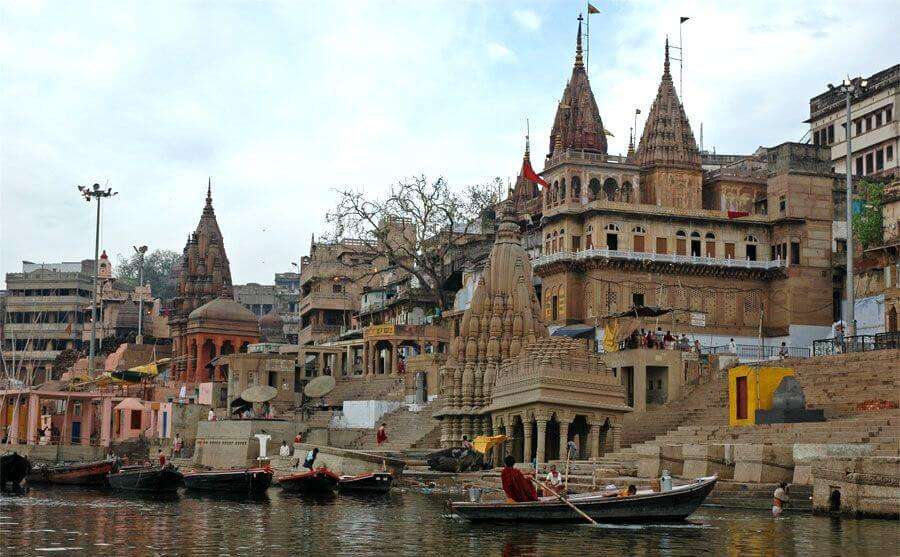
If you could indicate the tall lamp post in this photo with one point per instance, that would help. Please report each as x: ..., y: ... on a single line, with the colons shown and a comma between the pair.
x: 140, y: 251
x: 90, y: 194
x: 297, y: 265
x: 850, y: 88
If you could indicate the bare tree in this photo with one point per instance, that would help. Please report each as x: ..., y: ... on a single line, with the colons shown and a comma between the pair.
x: 418, y: 226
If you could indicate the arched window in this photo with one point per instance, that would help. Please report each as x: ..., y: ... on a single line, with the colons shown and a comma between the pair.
x: 590, y: 228
x: 710, y: 245
x: 612, y: 236
x: 576, y: 187
x: 627, y: 192
x: 680, y: 234
x: 750, y: 249
x: 710, y: 236
x: 562, y: 188
x: 751, y: 238
x: 695, y: 234
x: 639, y: 230
x: 594, y: 186
x: 611, y: 227
x: 610, y: 189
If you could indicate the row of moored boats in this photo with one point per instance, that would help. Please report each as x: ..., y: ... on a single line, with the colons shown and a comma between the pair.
x: 167, y: 478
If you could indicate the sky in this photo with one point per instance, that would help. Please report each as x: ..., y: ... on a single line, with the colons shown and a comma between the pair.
x: 281, y: 102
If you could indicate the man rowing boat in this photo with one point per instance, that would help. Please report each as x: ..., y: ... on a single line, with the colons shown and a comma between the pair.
x: 517, y: 487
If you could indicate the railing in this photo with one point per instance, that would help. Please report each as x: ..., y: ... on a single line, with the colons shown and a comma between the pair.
x: 756, y: 352
x: 658, y: 257
x: 858, y: 343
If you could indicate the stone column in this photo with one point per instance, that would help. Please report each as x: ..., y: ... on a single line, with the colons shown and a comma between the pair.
x: 595, y: 441
x: 507, y: 446
x: 527, y: 452
x: 87, y: 422
x: 395, y: 352
x: 563, y: 439
x: 616, y: 434
x: 541, y: 440
x: 14, y: 432
x: 445, y: 432
x: 106, y: 421
x: 31, y: 426
x: 3, y: 406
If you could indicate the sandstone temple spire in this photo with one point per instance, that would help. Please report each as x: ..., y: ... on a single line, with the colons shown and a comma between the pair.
x: 667, y: 145
x: 577, y: 124
x: 504, y: 316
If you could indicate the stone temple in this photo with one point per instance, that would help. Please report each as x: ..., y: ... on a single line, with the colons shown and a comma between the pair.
x: 505, y: 375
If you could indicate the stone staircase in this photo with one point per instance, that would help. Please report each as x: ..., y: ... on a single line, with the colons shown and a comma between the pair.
x: 359, y: 388
x: 406, y: 430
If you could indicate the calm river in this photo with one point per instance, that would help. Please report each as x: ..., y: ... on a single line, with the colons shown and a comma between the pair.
x: 73, y: 521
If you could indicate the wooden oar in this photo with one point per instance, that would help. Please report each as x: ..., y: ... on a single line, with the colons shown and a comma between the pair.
x: 566, y: 501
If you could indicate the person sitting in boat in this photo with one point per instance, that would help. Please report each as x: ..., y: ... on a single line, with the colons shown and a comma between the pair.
x: 555, y: 480
x: 311, y: 458
x: 628, y: 491
x: 285, y: 449
x: 517, y: 487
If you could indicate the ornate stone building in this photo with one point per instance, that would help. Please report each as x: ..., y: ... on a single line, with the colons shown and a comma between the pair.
x: 217, y: 328
x: 204, y: 276
x: 503, y: 374
x: 748, y: 241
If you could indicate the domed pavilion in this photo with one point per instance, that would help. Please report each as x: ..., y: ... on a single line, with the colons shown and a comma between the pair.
x: 217, y: 328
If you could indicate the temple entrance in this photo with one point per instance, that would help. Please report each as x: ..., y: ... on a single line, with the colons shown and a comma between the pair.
x: 552, y: 442
x: 517, y: 443
x: 578, y: 431
x: 657, y: 384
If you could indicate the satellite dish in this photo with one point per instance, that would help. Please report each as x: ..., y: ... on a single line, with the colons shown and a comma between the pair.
x: 319, y: 387
x: 261, y: 393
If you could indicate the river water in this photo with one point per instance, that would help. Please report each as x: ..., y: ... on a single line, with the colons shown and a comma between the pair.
x: 72, y: 521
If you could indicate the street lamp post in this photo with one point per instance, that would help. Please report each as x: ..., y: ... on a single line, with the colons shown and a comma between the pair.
x: 140, y: 251
x: 89, y: 195
x: 850, y: 87
x: 297, y: 265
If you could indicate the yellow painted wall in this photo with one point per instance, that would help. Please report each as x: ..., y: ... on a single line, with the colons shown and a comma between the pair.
x: 760, y: 388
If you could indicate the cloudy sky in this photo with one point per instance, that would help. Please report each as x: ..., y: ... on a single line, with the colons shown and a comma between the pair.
x: 281, y: 101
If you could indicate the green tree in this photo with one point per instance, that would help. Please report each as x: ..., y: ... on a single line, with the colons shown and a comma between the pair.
x: 158, y: 267
x: 868, y: 222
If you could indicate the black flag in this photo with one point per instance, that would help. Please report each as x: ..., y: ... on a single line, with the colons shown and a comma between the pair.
x: 683, y: 19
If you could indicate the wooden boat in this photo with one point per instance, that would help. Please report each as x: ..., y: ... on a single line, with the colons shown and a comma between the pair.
x: 318, y: 481
x: 13, y: 469
x: 248, y: 480
x: 456, y: 460
x: 645, y: 506
x: 149, y: 479
x: 81, y: 473
x: 372, y: 482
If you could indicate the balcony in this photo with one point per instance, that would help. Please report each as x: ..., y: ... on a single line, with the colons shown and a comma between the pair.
x: 335, y: 301
x: 44, y: 301
x: 658, y: 258
x: 42, y: 327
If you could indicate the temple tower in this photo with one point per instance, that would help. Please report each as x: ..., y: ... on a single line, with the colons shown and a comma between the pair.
x: 671, y: 172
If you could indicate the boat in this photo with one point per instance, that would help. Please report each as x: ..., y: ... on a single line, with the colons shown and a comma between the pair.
x: 150, y: 479
x: 371, y: 482
x: 81, y: 473
x: 318, y: 481
x: 456, y: 460
x: 247, y: 480
x: 13, y: 469
x: 645, y: 506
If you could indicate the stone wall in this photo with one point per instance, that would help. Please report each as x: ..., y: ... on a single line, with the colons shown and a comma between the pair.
x: 867, y: 486
x: 231, y: 443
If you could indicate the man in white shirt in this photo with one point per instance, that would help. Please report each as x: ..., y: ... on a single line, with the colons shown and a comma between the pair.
x: 554, y: 479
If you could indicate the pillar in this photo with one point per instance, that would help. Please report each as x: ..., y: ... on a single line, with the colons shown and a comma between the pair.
x: 640, y: 388
x: 527, y: 452
x: 616, y: 434
x: 87, y: 422
x: 541, y: 440
x: 563, y: 439
x: 4, y: 403
x: 106, y: 421
x: 31, y: 426
x: 14, y: 431
x: 508, y: 444
x: 393, y: 353
x: 595, y: 441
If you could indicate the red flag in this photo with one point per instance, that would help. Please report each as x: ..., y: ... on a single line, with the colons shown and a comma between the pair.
x: 529, y: 174
x: 737, y: 214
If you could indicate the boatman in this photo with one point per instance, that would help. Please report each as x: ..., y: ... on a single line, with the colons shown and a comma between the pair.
x: 517, y: 487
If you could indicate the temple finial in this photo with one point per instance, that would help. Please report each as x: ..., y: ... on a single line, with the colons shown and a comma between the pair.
x: 666, y: 66
x: 579, y: 62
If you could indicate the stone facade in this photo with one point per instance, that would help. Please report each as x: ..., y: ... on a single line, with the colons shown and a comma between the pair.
x: 217, y: 328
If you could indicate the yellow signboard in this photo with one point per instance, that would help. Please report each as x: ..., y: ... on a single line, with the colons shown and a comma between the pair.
x: 379, y: 331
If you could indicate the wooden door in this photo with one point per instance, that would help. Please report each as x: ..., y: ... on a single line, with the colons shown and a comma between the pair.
x: 681, y: 246
x: 661, y: 245
x: 741, y: 388
x: 710, y: 249
x: 639, y: 243
x: 729, y: 250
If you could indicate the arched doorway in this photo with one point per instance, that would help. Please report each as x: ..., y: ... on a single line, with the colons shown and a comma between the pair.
x: 611, y: 189
x: 383, y: 354
x: 892, y: 320
x: 517, y: 444
x: 578, y: 431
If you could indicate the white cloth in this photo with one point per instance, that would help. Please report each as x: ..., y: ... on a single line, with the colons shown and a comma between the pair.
x: 183, y: 392
x: 285, y: 450
x: 211, y: 416
x: 554, y: 480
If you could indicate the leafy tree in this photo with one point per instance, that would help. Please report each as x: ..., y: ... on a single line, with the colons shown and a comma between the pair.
x: 868, y: 223
x: 417, y: 227
x: 158, y: 267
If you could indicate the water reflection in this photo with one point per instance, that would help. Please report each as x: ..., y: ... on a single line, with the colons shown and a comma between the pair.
x: 97, y: 522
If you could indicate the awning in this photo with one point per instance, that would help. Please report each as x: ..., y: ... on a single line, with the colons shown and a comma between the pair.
x: 575, y: 331
x: 483, y: 443
x: 130, y: 404
x: 238, y: 405
x: 640, y: 311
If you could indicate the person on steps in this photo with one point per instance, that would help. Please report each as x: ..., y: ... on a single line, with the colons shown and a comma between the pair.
x: 780, y: 497
x: 517, y: 487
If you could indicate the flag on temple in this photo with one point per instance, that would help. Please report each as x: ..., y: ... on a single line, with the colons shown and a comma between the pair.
x: 592, y: 9
x: 737, y: 214
x: 683, y: 19
x: 529, y: 174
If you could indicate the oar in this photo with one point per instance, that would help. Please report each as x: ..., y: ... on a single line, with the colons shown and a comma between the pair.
x: 566, y: 501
